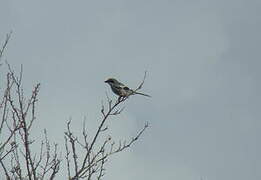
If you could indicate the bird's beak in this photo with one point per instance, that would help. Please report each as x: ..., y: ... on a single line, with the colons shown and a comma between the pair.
x: 106, y: 81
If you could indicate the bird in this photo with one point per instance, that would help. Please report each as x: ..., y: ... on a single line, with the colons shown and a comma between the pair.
x: 121, y: 90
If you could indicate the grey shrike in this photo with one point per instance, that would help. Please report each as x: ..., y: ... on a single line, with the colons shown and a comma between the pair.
x: 120, y: 89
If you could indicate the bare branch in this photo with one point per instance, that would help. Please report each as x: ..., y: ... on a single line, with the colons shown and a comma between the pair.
x: 19, y: 125
x: 95, y: 158
x: 127, y: 145
x: 86, y: 155
x: 141, y: 84
x: 8, y: 36
x: 67, y: 157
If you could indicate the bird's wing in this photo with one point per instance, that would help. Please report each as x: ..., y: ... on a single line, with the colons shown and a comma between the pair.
x: 119, y: 86
x: 124, y: 90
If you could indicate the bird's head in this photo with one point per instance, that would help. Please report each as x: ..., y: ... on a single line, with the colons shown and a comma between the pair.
x: 111, y: 81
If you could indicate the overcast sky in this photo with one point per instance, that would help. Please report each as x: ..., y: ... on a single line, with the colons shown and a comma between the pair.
x: 203, y: 63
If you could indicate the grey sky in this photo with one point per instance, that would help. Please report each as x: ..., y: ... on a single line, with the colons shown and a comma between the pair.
x: 203, y: 63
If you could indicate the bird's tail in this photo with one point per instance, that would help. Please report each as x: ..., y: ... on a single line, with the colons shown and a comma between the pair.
x: 142, y: 94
